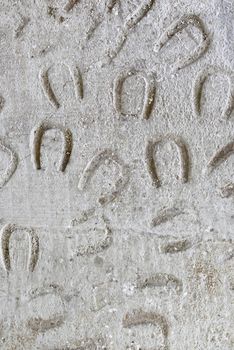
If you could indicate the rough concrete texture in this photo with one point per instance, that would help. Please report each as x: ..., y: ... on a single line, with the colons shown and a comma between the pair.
x: 117, y: 187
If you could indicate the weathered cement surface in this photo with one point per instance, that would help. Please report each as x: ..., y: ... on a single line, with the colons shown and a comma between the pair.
x: 117, y: 187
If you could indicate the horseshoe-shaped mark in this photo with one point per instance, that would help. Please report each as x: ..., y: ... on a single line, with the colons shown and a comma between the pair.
x: 183, y: 153
x: 36, y: 140
x: 87, y: 250
x: 139, y: 317
x: 6, y: 233
x: 70, y: 4
x: 149, y: 92
x: 177, y: 27
x: 131, y: 21
x: 198, y: 88
x: 5, y: 177
x: 42, y: 325
x: 223, y: 154
x: 94, y: 164
x: 48, y: 91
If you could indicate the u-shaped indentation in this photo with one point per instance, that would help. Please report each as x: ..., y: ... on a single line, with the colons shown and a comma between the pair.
x: 36, y: 140
x: 183, y: 154
x: 48, y: 91
x: 149, y: 92
x: 198, y: 89
x: 6, y: 233
x: 140, y: 317
x: 92, y: 167
x: 177, y: 27
x: 12, y: 166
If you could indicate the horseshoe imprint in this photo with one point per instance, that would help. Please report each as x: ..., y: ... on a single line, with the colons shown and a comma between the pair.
x: 94, y: 164
x: 98, y: 247
x: 131, y: 21
x: 48, y: 91
x: 223, y: 154
x: 198, y: 89
x: 177, y: 27
x: 13, y: 163
x: 6, y: 233
x: 139, y: 317
x: 149, y: 92
x: 183, y: 154
x: 36, y: 141
x: 160, y: 280
x: 166, y: 215
x: 52, y: 315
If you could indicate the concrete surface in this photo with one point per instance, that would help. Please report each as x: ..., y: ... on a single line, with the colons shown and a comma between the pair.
x: 116, y: 174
